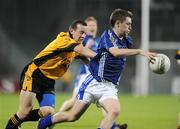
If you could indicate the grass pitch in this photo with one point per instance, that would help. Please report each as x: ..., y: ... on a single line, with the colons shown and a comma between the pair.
x: 151, y: 112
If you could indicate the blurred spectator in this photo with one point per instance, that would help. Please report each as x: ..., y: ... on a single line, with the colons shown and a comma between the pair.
x: 9, y: 86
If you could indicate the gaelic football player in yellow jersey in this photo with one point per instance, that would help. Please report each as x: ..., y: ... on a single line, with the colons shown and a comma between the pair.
x: 177, y: 57
x: 38, y: 77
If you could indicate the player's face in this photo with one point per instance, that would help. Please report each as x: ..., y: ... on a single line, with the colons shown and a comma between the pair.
x: 125, y: 27
x: 79, y: 33
x: 92, y: 28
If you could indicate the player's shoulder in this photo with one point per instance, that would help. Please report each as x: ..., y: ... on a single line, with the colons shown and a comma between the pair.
x: 178, y: 52
x: 109, y: 33
x: 106, y: 32
x: 65, y: 37
x: 177, y: 56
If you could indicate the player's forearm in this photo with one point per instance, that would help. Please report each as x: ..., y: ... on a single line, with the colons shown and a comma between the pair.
x: 124, y: 52
x: 85, y: 51
x: 88, y: 52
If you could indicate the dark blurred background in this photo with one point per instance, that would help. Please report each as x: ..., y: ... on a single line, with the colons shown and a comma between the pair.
x: 27, y: 26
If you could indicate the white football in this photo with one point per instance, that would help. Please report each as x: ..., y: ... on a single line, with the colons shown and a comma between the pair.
x: 161, y: 64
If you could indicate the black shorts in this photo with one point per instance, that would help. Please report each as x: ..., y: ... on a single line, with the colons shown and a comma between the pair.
x: 32, y: 79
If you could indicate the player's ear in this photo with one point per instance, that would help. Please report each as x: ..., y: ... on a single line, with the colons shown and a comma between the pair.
x: 71, y: 30
x: 117, y: 23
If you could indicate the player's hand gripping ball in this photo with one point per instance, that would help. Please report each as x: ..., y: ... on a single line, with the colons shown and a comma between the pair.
x: 161, y: 64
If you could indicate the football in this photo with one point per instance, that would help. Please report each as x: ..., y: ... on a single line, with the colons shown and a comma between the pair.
x: 161, y: 64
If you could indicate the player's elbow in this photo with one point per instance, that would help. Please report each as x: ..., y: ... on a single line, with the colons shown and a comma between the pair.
x: 115, y: 54
x: 114, y: 51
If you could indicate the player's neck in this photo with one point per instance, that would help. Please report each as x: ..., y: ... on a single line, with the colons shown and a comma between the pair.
x: 118, y: 33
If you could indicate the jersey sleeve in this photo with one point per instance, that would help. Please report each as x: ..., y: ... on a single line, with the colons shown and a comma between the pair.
x: 66, y: 43
x: 63, y: 43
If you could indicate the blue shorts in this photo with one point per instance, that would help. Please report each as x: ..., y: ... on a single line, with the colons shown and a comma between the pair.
x: 46, y: 99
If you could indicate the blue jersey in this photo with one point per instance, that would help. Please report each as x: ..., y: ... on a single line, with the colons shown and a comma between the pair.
x: 104, y: 66
x: 84, y: 68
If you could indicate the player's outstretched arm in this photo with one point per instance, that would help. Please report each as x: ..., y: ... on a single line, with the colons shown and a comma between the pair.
x: 117, y: 52
x: 84, y: 51
x: 129, y: 52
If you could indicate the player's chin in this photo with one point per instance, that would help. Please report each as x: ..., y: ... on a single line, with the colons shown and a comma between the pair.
x: 127, y: 33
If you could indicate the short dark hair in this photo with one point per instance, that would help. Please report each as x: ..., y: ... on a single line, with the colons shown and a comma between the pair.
x: 119, y: 14
x: 75, y: 23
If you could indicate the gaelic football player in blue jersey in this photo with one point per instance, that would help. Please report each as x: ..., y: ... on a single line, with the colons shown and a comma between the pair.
x: 90, y: 41
x: 106, y: 70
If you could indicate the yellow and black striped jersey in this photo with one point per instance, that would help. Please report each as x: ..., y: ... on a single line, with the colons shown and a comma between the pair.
x: 55, y: 59
x: 177, y: 56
